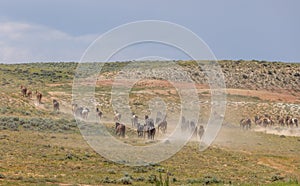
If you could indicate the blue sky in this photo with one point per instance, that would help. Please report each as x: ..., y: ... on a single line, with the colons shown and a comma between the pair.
x: 61, y: 30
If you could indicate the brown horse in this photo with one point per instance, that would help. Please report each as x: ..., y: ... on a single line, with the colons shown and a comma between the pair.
x: 120, y: 129
x: 55, y: 105
x: 29, y: 93
x: 74, y: 107
x: 267, y: 122
x: 163, y: 126
x: 23, y: 90
x: 38, y: 97
x: 281, y: 121
x: 258, y: 120
x: 245, y: 124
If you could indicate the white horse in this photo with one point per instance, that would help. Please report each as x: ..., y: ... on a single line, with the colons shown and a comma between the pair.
x: 134, y: 120
x: 85, y: 112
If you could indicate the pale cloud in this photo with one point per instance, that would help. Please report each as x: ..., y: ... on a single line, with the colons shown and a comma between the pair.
x: 25, y: 42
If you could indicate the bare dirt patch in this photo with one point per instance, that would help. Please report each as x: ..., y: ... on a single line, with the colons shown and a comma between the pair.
x: 266, y: 95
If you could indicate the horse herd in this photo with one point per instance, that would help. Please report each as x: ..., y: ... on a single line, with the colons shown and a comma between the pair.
x: 145, y: 129
x: 148, y: 128
x: 28, y: 93
x: 191, y: 127
x: 267, y: 121
x: 25, y: 92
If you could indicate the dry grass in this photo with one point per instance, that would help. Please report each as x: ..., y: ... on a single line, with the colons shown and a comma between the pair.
x: 30, y: 156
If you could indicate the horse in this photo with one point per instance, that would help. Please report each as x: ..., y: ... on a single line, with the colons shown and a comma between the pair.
x: 29, y: 93
x: 38, y: 97
x: 84, y: 113
x: 117, y: 117
x: 281, y: 121
x: 23, y: 90
x: 192, y: 127
x: 120, y: 129
x: 162, y: 124
x: 78, y: 111
x: 266, y: 122
x: 151, y: 133
x: 245, y: 124
x: 183, y: 125
x: 287, y: 120
x: 99, y: 113
x: 201, y: 131
x: 55, y: 105
x: 140, y: 130
x: 257, y: 120
x: 134, y: 120
x: 295, y: 121
x: 292, y: 121
x: 149, y: 128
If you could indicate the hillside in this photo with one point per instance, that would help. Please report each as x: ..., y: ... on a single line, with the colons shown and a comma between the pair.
x: 45, y: 147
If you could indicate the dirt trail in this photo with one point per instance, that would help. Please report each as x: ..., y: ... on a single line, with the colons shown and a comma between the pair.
x: 279, y: 131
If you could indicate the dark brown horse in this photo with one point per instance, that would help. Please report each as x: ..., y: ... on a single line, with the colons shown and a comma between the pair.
x: 149, y: 128
x: 55, y: 105
x: 99, y: 113
x: 23, y: 90
x: 120, y: 129
x: 150, y: 131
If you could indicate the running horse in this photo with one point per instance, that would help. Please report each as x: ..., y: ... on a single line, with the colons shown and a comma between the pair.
x: 163, y: 125
x: 149, y: 128
x: 38, y: 97
x: 120, y: 129
x: 23, y: 91
x: 55, y: 105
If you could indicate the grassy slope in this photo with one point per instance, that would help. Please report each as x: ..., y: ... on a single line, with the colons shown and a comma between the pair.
x: 64, y: 157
